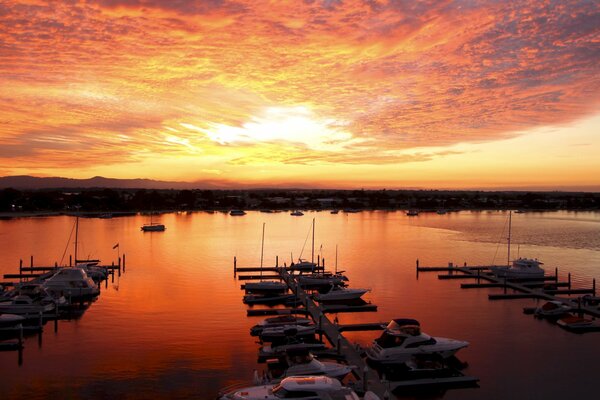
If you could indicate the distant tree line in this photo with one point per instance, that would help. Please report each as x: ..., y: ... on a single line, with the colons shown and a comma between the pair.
x: 106, y: 200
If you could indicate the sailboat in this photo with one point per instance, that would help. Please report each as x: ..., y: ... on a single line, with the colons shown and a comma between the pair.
x: 153, y: 226
x: 265, y: 286
x: 521, y: 268
x: 304, y: 265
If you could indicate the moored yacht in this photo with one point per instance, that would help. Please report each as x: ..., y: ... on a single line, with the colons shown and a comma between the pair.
x: 521, y: 268
x: 297, y: 213
x: 552, y: 309
x: 286, y: 331
x: 278, y: 321
x: 337, y: 293
x: 10, y: 320
x: 296, y: 387
x: 303, y: 265
x: 318, y: 279
x: 72, y: 283
x: 265, y: 286
x: 402, y: 338
x: 304, y: 363
x: 237, y: 213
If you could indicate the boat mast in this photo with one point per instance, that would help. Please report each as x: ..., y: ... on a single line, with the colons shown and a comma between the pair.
x: 509, y: 229
x: 312, y: 260
x: 336, y: 246
x: 76, y: 235
x: 262, y: 248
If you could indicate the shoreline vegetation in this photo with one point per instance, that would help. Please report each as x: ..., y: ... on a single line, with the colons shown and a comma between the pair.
x: 106, y: 203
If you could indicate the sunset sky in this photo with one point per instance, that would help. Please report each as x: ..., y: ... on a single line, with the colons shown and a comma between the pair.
x: 332, y: 93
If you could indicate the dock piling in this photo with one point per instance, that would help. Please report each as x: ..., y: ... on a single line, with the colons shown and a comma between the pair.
x: 234, y: 265
x: 569, y: 280
x: 123, y: 262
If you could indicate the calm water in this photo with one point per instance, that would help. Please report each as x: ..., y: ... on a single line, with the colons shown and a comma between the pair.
x: 174, y: 326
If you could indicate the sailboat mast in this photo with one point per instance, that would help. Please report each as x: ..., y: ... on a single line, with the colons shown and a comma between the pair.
x: 509, y: 230
x: 76, y: 235
x: 313, y: 243
x: 336, y: 246
x: 262, y: 248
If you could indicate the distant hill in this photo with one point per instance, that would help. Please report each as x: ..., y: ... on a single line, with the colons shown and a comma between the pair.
x: 32, y: 182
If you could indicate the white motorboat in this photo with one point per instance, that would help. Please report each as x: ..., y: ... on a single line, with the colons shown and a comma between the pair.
x: 303, y: 265
x: 296, y: 387
x: 10, y: 320
x: 27, y: 306
x: 318, y: 279
x: 578, y: 324
x: 278, y: 321
x: 552, y: 309
x: 297, y: 213
x: 72, y: 283
x: 283, y: 331
x: 237, y: 213
x: 265, y: 286
x: 304, y: 363
x: 278, y: 350
x: 402, y: 338
x: 153, y: 227
x: 521, y: 268
x: 337, y: 293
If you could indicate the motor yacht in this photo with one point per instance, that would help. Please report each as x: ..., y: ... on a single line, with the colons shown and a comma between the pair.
x: 317, y: 279
x: 521, y: 268
x: 337, y: 293
x: 265, y: 286
x: 295, y: 387
x: 279, y: 350
x: 303, y: 266
x: 552, y: 309
x: 302, y: 362
x: 278, y: 321
x: 237, y: 213
x: 284, y: 331
x: 578, y: 324
x: 297, y: 213
x: 73, y: 283
x: 10, y: 320
x: 27, y: 306
x: 402, y: 338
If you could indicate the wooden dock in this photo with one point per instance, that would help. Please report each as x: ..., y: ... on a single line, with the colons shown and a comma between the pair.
x: 545, y: 288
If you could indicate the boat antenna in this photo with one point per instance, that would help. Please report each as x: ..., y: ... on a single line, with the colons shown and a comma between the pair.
x: 509, y: 229
x: 312, y: 260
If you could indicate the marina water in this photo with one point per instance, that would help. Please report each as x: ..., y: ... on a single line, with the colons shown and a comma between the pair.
x: 174, y: 326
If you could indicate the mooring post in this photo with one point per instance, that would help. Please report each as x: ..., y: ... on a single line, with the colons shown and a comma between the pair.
x: 20, y: 266
x: 234, y: 265
x: 594, y: 287
x: 123, y: 262
x: 276, y: 261
x: 556, y: 274
x: 323, y: 262
x: 70, y: 260
x: 417, y: 264
x: 569, y: 280
x: 31, y: 262
x: 318, y: 260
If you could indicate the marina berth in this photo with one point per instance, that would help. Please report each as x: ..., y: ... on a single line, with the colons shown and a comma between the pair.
x: 403, y: 338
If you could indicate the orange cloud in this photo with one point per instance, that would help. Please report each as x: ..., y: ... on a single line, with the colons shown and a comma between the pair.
x: 97, y: 83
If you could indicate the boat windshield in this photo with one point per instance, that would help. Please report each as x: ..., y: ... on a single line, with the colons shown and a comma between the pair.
x: 386, y: 340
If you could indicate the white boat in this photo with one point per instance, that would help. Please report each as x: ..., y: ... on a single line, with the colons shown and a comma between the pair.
x: 317, y: 279
x: 552, y: 309
x: 283, y: 331
x: 402, y: 339
x: 521, y: 268
x: 72, y: 283
x: 25, y: 305
x: 303, y: 265
x: 296, y: 387
x: 277, y: 350
x: 297, y: 213
x: 265, y: 286
x: 304, y: 363
x: 10, y: 320
x: 237, y: 213
x: 578, y: 324
x: 278, y: 321
x: 340, y: 293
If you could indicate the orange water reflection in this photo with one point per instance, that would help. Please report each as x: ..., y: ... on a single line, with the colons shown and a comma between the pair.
x: 173, y: 325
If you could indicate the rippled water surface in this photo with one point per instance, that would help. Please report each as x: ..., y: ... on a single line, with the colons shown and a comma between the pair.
x: 174, y: 326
